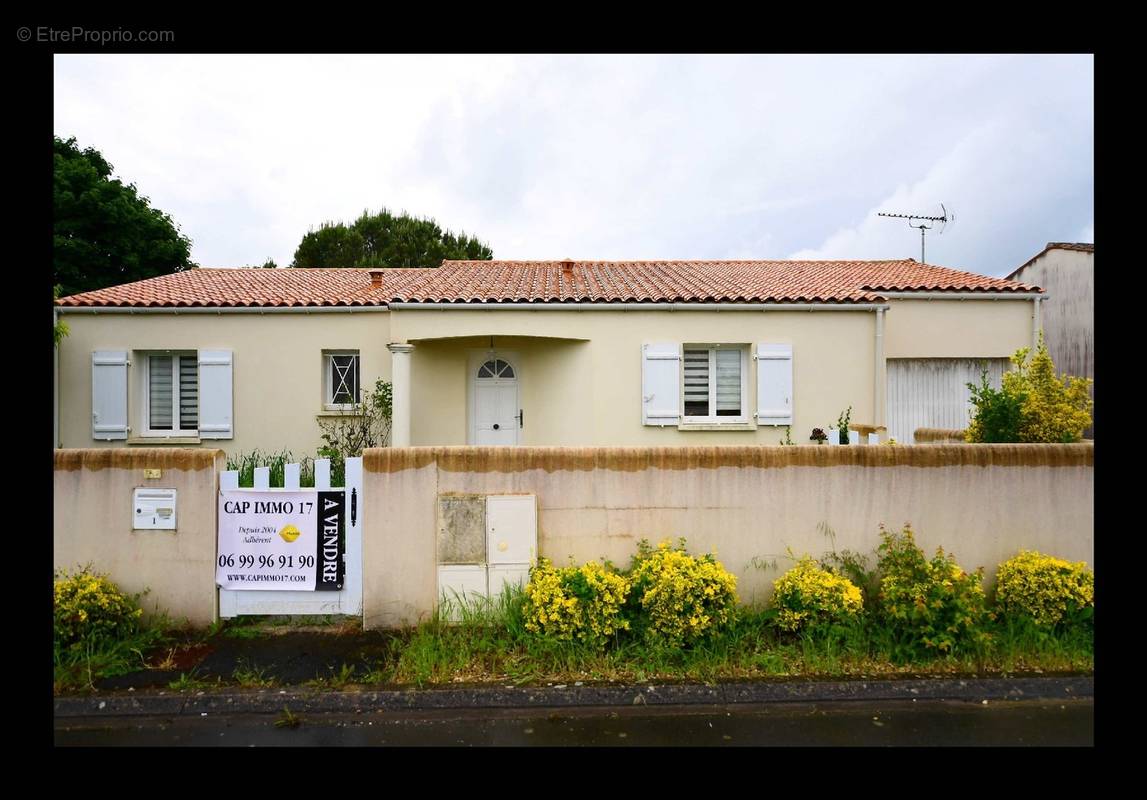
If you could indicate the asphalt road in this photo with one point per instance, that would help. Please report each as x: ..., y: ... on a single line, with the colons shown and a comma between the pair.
x: 886, y: 723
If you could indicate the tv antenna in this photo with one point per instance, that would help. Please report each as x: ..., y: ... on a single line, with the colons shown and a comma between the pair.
x: 925, y: 223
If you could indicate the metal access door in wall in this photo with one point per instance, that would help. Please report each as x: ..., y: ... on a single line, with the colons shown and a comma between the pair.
x: 347, y: 599
x: 933, y: 392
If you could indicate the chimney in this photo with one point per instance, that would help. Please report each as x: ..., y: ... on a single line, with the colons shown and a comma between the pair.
x: 567, y: 267
x: 376, y: 278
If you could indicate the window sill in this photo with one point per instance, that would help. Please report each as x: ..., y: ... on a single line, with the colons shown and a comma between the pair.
x: 717, y: 426
x: 153, y: 441
x: 329, y: 412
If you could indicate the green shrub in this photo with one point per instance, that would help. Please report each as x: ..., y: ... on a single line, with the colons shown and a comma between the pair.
x: 582, y: 604
x: 807, y: 596
x: 90, y: 610
x: 1047, y: 590
x: 998, y: 415
x: 677, y: 598
x: 928, y: 606
x: 1033, y: 405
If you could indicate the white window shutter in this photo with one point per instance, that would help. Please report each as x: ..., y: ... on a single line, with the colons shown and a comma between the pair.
x: 660, y: 384
x: 215, y: 395
x: 774, y: 384
x: 109, y: 394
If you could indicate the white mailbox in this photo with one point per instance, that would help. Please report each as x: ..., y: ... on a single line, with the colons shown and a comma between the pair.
x: 153, y: 509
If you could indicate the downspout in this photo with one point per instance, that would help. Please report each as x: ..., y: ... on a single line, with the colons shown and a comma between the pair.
x: 879, y: 371
x: 55, y: 385
x: 1037, y: 325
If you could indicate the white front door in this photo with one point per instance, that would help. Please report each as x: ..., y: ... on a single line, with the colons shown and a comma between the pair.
x: 496, y: 412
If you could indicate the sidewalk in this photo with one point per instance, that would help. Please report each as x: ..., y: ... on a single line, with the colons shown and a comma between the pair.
x: 294, y: 657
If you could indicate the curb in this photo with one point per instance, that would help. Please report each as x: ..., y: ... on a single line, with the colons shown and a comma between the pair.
x: 272, y: 701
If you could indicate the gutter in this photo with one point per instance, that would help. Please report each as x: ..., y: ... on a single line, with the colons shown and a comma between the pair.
x: 963, y: 295
x: 638, y: 306
x: 221, y: 309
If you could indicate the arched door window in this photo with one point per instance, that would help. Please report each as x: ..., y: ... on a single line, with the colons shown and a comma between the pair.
x: 496, y: 368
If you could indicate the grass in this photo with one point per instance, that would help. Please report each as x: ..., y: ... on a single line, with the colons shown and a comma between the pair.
x: 188, y: 682
x: 252, y: 676
x: 79, y: 666
x: 490, y: 644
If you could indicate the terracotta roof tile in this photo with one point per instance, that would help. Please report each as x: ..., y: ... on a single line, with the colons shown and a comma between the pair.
x: 547, y: 282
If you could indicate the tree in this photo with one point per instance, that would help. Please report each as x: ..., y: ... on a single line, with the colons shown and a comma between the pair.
x: 386, y: 240
x: 104, y: 232
x: 61, y: 328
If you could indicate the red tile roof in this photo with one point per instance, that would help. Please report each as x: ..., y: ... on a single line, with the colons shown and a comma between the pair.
x: 549, y: 282
x: 251, y: 287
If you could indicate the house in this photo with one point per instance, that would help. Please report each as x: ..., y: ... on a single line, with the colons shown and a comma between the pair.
x: 1067, y: 271
x: 574, y: 353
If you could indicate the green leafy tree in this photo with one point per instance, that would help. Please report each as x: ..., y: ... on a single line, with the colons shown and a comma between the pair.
x: 386, y: 240
x: 1033, y: 405
x: 104, y: 232
x: 61, y: 328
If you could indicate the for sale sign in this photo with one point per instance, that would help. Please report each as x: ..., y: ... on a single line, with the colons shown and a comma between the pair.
x: 280, y: 540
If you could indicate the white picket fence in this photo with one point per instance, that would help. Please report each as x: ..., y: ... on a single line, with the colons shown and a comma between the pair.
x: 853, y: 437
x: 347, y: 600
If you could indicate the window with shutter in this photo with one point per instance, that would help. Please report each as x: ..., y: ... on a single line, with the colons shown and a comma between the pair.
x: 171, y: 392
x: 714, y: 383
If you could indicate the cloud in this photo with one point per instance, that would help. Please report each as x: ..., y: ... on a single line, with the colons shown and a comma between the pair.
x: 601, y: 156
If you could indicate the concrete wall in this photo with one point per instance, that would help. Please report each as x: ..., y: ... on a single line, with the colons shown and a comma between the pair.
x: 277, y: 369
x: 1069, y: 311
x: 750, y: 505
x: 92, y: 523
x: 1068, y: 314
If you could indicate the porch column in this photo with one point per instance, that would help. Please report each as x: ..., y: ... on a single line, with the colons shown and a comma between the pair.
x: 400, y: 393
x: 879, y: 373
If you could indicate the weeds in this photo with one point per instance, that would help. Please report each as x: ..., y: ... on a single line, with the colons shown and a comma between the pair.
x: 288, y: 720
x: 188, y: 682
x: 252, y: 676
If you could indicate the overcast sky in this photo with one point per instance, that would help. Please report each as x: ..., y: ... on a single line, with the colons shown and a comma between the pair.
x: 603, y: 157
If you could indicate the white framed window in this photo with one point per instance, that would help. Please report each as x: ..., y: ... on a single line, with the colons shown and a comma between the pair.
x: 171, y: 394
x: 341, y: 371
x: 714, y: 383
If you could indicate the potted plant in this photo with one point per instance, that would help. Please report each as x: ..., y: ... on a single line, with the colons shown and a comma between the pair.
x: 818, y: 436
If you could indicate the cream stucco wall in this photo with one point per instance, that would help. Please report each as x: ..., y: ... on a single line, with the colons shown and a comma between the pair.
x: 957, y: 328
x: 92, y: 524
x: 581, y: 370
x: 277, y: 368
x: 751, y: 506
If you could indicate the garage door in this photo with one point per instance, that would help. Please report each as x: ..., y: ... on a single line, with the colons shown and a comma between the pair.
x: 933, y: 392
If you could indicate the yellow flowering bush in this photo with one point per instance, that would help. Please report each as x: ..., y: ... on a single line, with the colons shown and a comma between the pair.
x: 933, y: 604
x: 679, y: 598
x: 581, y: 604
x: 1033, y: 403
x: 808, y: 595
x: 1044, y: 588
x: 90, y: 608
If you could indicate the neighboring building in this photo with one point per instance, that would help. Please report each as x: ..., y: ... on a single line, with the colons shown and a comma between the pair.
x: 535, y: 353
x: 1066, y: 271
